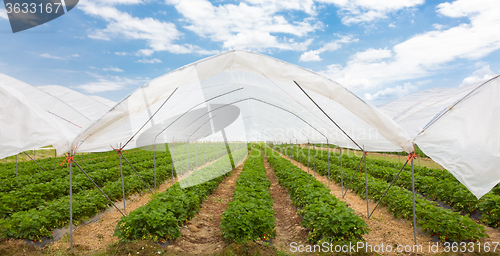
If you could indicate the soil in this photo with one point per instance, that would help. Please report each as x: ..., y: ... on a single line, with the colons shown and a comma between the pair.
x: 419, y: 161
x: 287, y: 225
x: 201, y: 235
x: 94, y: 237
x: 384, y: 227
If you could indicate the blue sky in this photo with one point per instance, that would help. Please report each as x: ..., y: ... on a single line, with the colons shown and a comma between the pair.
x: 379, y: 49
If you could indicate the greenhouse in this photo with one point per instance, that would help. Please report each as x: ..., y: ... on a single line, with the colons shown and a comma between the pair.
x: 250, y: 125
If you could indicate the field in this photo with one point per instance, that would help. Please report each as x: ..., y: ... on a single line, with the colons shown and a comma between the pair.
x: 259, y: 199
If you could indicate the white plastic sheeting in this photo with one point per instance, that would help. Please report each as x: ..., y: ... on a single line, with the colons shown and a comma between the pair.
x: 88, y: 106
x: 68, y: 109
x: 67, y: 115
x: 108, y: 103
x: 465, y: 138
x: 269, y: 101
x: 24, y: 125
x: 415, y: 111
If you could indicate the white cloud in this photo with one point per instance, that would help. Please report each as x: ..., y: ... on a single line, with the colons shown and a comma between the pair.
x: 150, y: 61
x: 121, y: 53
x: 3, y: 14
x: 481, y: 74
x: 358, y: 11
x: 249, y: 25
x: 371, y: 55
x: 115, y: 69
x: 50, y: 56
x: 334, y: 45
x: 438, y: 26
x: 392, y: 25
x: 159, y: 35
x: 46, y: 55
x: 109, y: 83
x: 145, y: 52
x: 391, y: 93
x: 427, y: 53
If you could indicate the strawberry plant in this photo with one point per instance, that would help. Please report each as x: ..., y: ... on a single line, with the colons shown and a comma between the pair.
x: 163, y: 216
x: 430, y: 217
x: 327, y: 218
x: 250, y: 216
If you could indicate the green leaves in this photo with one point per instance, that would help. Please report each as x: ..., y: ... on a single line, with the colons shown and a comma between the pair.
x: 433, y: 219
x: 327, y: 218
x: 163, y: 216
x: 250, y: 216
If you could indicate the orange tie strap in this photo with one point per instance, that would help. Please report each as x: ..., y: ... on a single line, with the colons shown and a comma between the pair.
x: 67, y: 160
x: 411, y: 156
x: 117, y: 150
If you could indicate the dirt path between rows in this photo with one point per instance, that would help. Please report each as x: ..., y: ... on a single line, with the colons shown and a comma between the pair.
x: 385, y: 229
x: 493, y: 233
x: 427, y: 162
x: 287, y: 225
x: 95, y: 237
x: 202, y: 236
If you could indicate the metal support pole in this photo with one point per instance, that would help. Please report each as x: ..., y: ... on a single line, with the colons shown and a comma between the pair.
x: 341, y: 173
x: 71, y: 203
x: 419, y: 156
x: 228, y: 149
x: 366, y: 187
x: 314, y: 161
x: 34, y: 161
x: 55, y: 159
x: 154, y: 162
x: 352, y: 177
x: 297, y: 158
x: 308, y: 154
x: 188, y: 158
x: 138, y: 175
x: 102, y: 192
x: 172, y: 160
x: 123, y: 185
x: 413, y: 191
x: 196, y: 153
x: 387, y: 190
x: 16, y: 165
x: 328, y: 152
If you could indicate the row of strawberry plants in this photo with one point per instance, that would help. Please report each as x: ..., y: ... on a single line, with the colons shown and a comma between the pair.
x: 162, y: 217
x: 448, y: 190
x: 32, y: 175
x: 35, y: 223
x: 444, y: 223
x: 437, y: 173
x: 327, y: 218
x: 28, y: 167
x: 250, y: 216
x: 38, y: 194
x: 8, y: 170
